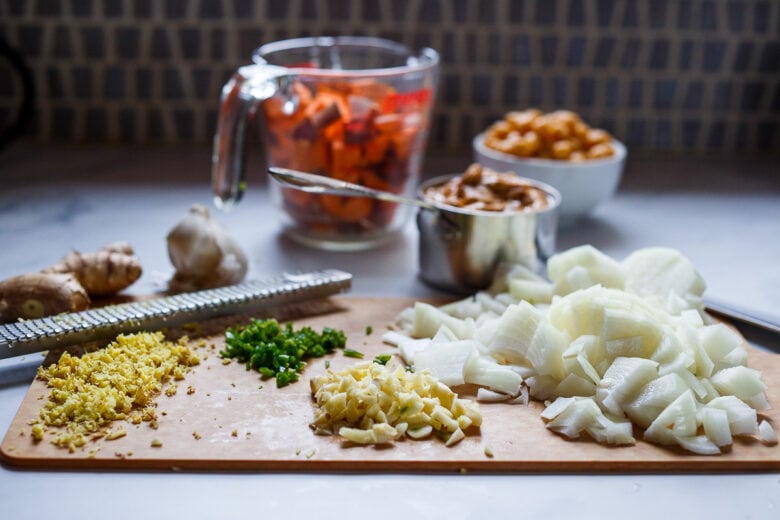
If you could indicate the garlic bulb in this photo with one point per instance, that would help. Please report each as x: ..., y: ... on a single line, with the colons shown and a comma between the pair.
x: 203, y: 253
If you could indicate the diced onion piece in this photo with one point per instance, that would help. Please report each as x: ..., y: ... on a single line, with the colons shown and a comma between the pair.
x: 677, y: 420
x: 743, y: 419
x: 744, y: 383
x: 445, y: 361
x: 716, y: 425
x: 766, y: 433
x: 623, y: 380
x: 698, y: 444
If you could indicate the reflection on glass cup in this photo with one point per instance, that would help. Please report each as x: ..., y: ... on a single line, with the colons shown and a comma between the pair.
x: 351, y: 108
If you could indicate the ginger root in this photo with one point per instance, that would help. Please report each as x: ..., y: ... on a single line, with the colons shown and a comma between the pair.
x: 68, y: 285
x: 104, y: 272
x: 36, y: 295
x: 203, y: 253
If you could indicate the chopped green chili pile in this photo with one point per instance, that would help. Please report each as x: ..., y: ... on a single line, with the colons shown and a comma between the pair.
x: 279, y: 351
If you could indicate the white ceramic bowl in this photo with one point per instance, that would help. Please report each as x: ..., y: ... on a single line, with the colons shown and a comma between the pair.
x: 583, y: 185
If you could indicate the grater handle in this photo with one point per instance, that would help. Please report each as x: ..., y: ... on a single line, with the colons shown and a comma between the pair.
x: 26, y: 337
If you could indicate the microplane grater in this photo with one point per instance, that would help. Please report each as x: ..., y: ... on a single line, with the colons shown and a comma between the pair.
x: 37, y: 335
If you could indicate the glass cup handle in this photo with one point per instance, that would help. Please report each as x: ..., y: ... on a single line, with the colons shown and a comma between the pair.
x: 240, y: 97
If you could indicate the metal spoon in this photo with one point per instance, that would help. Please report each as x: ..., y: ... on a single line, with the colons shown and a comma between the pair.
x: 320, y: 184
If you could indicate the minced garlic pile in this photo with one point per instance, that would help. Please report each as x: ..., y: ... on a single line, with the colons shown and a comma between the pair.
x: 117, y: 382
x: 369, y: 403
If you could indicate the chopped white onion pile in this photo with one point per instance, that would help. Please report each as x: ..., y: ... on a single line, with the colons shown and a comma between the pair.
x: 605, y: 344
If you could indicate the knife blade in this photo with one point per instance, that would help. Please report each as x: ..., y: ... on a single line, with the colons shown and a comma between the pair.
x: 37, y: 335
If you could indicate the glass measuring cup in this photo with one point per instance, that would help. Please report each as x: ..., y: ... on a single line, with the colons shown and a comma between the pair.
x: 351, y: 108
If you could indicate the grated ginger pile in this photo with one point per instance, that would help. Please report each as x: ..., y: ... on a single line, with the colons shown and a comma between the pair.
x: 117, y: 382
x: 370, y: 403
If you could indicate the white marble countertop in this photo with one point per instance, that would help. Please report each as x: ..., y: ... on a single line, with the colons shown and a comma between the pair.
x: 723, y: 214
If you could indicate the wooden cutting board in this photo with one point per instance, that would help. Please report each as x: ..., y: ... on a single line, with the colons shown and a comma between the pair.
x: 235, y: 421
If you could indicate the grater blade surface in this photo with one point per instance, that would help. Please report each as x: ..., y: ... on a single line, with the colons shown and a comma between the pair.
x: 29, y: 336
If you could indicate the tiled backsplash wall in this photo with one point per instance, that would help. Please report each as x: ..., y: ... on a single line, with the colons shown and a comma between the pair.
x: 670, y: 75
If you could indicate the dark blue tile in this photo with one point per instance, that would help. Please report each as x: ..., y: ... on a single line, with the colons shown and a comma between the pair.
x: 752, y: 95
x: 691, y: 128
x: 741, y: 137
x: 630, y: 58
x: 694, y: 95
x: 127, y: 40
x: 143, y: 8
x: 766, y: 136
x: 114, y: 82
x: 709, y: 15
x: 487, y: 11
x: 190, y: 43
x: 545, y: 11
x: 769, y: 62
x: 127, y: 125
x: 96, y: 127
x: 685, y: 56
x: 775, y: 105
x: 612, y: 93
x: 657, y: 11
x: 481, y: 90
x: 172, y: 85
x: 93, y: 42
x: 536, y: 91
x: 430, y: 11
x: 175, y: 9
x: 113, y: 8
x: 29, y: 39
x: 630, y: 14
x: 249, y: 39
x: 54, y: 83
x: 371, y: 10
x: 161, y: 47
x: 471, y: 48
x: 560, y: 91
x: 577, y: 47
x: 155, y: 129
x: 277, y: 9
x: 17, y: 7
x: 211, y: 9
x: 520, y: 53
x: 722, y: 96
x: 494, y: 49
x: 577, y: 14
x: 81, y: 78
x: 243, y: 8
x: 419, y: 40
x: 761, y: 17
x: 201, y: 83
x: 635, y: 93
x: 82, y: 8
x: 663, y: 134
x: 400, y: 10
x: 511, y: 97
x: 712, y: 56
x: 635, y: 133
x: 605, y: 12
x: 743, y: 56
x: 450, y: 89
x: 184, y: 123
x: 309, y: 10
x: 439, y: 131
x: 143, y: 83
x: 211, y: 122
x: 516, y: 11
x: 684, y: 14
x: 549, y: 47
x: 218, y: 40
x: 467, y: 127
x: 61, y: 46
x: 460, y: 9
x: 62, y: 122
x: 663, y: 93
x: 659, y: 55
x: 735, y: 15
x: 716, y: 138
x: 448, y: 52
x: 604, y: 48
x: 586, y: 92
x: 48, y: 7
